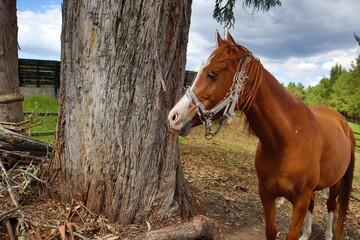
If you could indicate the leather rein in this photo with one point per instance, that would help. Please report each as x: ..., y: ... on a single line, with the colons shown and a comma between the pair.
x: 228, y: 103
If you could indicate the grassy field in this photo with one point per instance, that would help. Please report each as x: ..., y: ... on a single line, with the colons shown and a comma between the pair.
x: 41, y: 104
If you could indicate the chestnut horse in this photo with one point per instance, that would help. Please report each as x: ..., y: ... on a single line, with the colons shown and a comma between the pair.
x: 301, y: 150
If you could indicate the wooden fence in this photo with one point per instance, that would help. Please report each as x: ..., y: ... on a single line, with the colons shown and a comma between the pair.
x: 39, y: 73
x: 357, y: 138
x: 189, y: 78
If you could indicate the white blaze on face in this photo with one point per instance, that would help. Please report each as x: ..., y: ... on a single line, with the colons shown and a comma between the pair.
x: 200, y: 71
x: 178, y: 116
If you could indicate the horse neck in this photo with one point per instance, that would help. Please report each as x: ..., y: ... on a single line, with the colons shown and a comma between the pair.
x: 270, y: 115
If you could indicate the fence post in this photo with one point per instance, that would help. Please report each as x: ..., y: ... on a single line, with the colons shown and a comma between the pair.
x: 37, y: 75
x: 57, y: 78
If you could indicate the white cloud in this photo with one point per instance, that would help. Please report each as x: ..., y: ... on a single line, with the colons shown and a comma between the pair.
x: 39, y: 33
x: 344, y: 58
x: 309, y: 70
x: 303, y: 66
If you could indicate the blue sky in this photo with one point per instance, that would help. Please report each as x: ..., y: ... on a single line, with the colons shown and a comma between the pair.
x: 299, y: 41
x: 35, y: 5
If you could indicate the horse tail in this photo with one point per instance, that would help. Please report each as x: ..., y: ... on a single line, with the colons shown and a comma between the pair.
x: 344, y: 195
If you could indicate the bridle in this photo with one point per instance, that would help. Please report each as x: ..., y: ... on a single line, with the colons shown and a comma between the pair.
x: 228, y: 103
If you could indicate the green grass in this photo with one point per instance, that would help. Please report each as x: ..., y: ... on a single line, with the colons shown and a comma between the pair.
x: 42, y: 104
x: 356, y: 128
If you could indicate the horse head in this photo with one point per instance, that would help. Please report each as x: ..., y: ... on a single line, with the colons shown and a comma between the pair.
x: 216, y: 91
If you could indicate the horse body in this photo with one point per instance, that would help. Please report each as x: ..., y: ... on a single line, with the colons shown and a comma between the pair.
x: 302, y: 149
x: 296, y: 140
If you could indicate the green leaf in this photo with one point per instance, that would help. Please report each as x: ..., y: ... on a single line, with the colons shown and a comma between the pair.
x: 148, y: 225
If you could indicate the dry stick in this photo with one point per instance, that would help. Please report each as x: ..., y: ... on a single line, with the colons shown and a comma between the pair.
x: 12, y: 196
x: 25, y: 155
x: 9, y: 229
x: 8, y: 211
x: 15, y: 124
x: 6, y: 178
x: 355, y: 198
x: 26, y: 173
x: 32, y: 175
x: 82, y: 205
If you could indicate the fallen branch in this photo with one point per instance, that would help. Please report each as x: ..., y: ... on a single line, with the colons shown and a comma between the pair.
x: 20, y: 146
x: 355, y: 198
x: 201, y: 228
x: 8, y: 212
x: 10, y: 98
x: 24, y: 156
x: 32, y: 121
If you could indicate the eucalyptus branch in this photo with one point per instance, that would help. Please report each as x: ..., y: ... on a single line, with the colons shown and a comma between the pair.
x: 224, y: 12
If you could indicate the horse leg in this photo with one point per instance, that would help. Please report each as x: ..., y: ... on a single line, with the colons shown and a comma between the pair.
x: 269, y: 205
x: 301, y: 204
x: 308, y: 220
x: 331, y: 206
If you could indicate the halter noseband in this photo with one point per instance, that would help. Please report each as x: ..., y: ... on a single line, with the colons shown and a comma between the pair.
x: 228, y: 103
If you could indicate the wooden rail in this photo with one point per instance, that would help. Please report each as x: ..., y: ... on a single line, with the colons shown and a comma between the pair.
x: 33, y: 72
x: 37, y: 134
x: 43, y: 113
x: 357, y: 138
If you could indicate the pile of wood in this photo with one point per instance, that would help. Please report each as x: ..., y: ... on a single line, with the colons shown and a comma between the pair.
x: 21, y: 158
x: 15, y: 146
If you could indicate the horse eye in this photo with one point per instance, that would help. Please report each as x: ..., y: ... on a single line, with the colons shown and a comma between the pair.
x: 212, y: 75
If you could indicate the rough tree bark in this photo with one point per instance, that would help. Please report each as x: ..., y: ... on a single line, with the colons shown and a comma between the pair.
x: 10, y: 111
x: 122, y: 66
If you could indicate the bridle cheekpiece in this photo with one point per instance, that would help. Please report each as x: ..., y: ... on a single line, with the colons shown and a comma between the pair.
x: 228, y: 103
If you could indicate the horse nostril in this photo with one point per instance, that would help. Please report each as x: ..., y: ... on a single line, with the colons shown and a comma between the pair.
x: 174, y: 117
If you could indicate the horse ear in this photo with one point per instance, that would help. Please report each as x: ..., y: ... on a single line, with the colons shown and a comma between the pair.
x: 220, y: 41
x: 230, y: 39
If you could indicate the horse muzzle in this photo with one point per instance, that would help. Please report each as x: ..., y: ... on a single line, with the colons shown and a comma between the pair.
x: 181, y: 115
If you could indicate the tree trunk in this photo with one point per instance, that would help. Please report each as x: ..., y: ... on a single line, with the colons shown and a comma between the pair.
x: 122, y: 67
x: 9, y: 70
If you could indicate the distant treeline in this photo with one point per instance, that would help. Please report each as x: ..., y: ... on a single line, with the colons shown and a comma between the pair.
x: 340, y: 92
